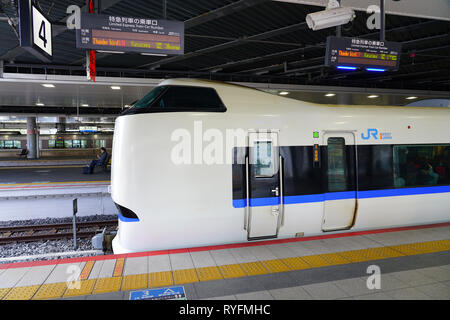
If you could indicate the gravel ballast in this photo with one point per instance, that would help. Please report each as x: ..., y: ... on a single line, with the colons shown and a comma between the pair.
x: 48, y: 246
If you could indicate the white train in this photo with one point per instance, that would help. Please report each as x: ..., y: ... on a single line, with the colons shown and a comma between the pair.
x: 181, y: 179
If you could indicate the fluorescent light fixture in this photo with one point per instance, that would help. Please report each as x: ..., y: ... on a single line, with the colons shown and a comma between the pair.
x: 48, y: 85
x: 106, y: 51
x: 40, y: 104
x: 372, y: 96
x: 115, y: 87
x: 283, y: 93
x: 346, y: 68
x: 84, y: 105
x: 375, y: 69
x: 330, y: 94
x: 154, y: 54
x: 411, y: 98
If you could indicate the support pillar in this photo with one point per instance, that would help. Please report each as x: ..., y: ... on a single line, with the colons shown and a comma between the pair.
x: 61, y: 125
x: 32, y: 138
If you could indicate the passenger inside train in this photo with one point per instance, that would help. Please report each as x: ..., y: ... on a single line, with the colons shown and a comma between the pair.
x: 421, y: 166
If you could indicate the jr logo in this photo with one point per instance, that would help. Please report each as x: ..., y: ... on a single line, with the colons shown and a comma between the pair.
x: 370, y: 132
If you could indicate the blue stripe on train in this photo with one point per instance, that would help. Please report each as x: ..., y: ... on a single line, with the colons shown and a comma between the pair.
x: 125, y: 219
x: 257, y: 202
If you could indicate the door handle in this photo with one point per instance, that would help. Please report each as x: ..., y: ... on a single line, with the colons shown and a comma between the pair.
x: 276, y: 191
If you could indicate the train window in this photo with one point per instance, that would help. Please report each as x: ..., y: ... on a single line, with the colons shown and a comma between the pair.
x: 76, y: 144
x: 190, y: 99
x: 149, y: 98
x: 421, y: 165
x: 177, y: 99
x: 337, y: 168
x: 10, y: 144
x: 99, y: 143
x: 68, y: 144
x: 263, y: 164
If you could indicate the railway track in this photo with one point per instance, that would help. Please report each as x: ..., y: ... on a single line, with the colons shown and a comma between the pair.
x: 53, y: 231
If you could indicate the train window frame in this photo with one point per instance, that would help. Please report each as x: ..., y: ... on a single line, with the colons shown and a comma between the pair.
x: 344, y: 167
x: 153, y: 107
x: 413, y: 175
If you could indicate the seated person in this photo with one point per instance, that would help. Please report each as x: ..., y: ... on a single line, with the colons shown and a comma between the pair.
x: 427, y: 175
x: 100, y: 160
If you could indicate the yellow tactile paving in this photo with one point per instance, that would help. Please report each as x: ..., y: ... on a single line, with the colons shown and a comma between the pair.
x: 50, y: 291
x: 446, y: 244
x: 232, y: 271
x: 21, y: 293
x: 118, y: 268
x: 160, y: 279
x: 316, y: 261
x: 87, y: 270
x: 3, y: 292
x: 85, y: 288
x: 405, y: 249
x: 429, y: 246
x: 254, y: 268
x: 111, y: 284
x: 296, y: 263
x: 361, y: 255
x: 184, y: 276
x: 275, y: 266
x: 334, y: 258
x: 209, y: 273
x: 387, y: 252
x: 135, y: 281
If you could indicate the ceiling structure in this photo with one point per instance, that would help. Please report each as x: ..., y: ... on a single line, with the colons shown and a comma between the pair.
x: 246, y: 41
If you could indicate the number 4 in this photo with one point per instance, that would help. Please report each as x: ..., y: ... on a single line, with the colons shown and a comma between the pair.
x: 42, y: 33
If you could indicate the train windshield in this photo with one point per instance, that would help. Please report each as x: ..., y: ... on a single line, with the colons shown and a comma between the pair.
x: 178, y: 99
x: 149, y: 98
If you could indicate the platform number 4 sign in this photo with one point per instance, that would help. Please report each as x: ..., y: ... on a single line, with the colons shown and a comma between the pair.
x: 42, y: 31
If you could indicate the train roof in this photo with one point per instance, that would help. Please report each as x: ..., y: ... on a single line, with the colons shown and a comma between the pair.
x: 220, y: 84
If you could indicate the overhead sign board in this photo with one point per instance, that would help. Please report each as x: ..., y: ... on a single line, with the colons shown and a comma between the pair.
x: 117, y: 33
x: 35, y: 31
x: 87, y: 129
x: 362, y: 53
x: 170, y: 293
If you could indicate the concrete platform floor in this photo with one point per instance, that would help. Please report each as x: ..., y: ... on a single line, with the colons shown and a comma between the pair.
x: 414, y: 263
x: 48, y: 174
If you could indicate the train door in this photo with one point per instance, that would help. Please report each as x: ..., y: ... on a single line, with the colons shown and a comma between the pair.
x: 264, y: 190
x: 340, y: 181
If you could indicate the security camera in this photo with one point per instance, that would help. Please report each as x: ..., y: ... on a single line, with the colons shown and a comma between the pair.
x: 331, y: 17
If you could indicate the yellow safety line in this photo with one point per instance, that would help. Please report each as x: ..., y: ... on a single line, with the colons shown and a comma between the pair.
x: 44, y: 167
x: 118, y: 268
x: 167, y: 278
x: 39, y: 183
x: 87, y: 270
